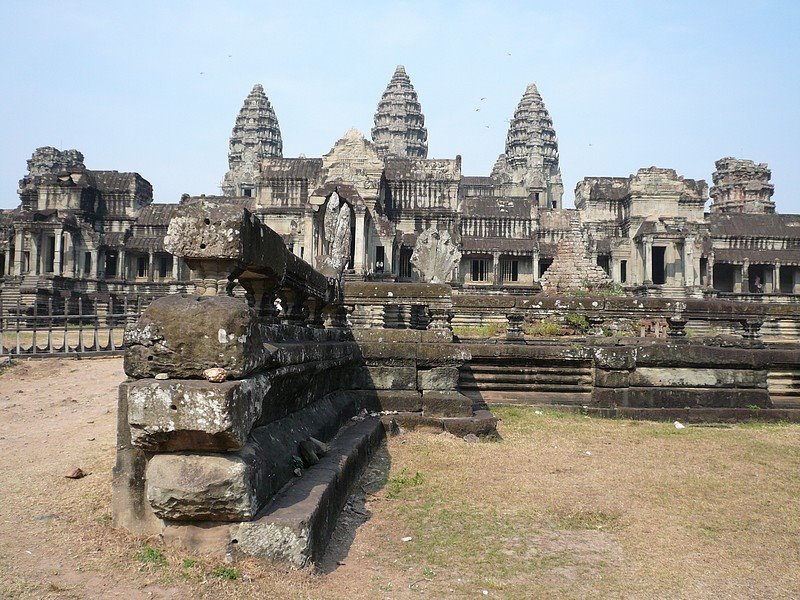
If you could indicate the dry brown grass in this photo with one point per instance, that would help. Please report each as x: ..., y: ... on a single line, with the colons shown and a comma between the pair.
x: 564, y: 506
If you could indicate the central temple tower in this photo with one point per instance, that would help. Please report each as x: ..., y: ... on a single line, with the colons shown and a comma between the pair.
x: 399, y: 123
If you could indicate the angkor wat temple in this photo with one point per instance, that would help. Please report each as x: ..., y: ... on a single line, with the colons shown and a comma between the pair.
x: 78, y: 230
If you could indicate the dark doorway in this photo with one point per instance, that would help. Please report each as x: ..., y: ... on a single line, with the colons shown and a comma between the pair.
x: 604, y: 262
x: 724, y: 277
x: 787, y: 280
x: 544, y: 264
x: 658, y: 264
x: 623, y: 271
x: 379, y: 258
x: 111, y: 265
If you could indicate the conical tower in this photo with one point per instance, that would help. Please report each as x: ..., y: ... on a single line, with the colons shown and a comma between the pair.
x: 256, y: 135
x: 531, y: 136
x: 399, y: 123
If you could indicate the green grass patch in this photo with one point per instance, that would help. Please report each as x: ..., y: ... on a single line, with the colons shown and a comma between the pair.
x: 228, y: 573
x: 151, y: 556
x: 403, y: 481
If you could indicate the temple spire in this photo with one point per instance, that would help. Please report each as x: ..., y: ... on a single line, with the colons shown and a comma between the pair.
x: 255, y: 136
x: 399, y: 123
x: 531, y: 156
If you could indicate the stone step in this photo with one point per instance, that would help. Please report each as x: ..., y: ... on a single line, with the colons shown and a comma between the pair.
x: 531, y: 397
x: 295, y: 526
x: 525, y: 378
x: 510, y: 387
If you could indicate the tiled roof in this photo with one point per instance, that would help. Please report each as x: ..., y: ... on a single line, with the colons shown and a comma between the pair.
x: 145, y: 243
x: 486, y: 244
x: 157, y: 215
x: 744, y: 225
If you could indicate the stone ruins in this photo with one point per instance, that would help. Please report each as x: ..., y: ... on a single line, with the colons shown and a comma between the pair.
x: 318, y: 304
x: 79, y: 232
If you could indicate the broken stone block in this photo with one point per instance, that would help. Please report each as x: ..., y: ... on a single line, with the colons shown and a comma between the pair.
x: 193, y: 414
x: 185, y: 335
x: 235, y: 485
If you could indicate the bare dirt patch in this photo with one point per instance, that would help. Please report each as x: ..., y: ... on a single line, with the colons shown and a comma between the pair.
x: 564, y: 506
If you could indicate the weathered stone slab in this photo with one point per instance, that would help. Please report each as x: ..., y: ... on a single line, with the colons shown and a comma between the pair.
x: 445, y: 404
x: 438, y: 378
x: 611, y: 379
x: 697, y: 377
x: 185, y: 335
x: 235, y: 485
x: 384, y: 378
x: 389, y: 400
x: 297, y: 525
x: 196, y: 415
x: 674, y: 397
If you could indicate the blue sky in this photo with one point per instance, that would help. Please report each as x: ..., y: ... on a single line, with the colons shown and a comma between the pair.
x: 154, y: 87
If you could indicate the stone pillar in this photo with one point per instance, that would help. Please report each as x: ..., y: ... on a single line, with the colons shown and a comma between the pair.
x: 58, y: 258
x: 175, y: 267
x: 308, y: 237
x: 121, y: 265
x: 648, y: 260
x: 496, y: 268
x: 36, y: 240
x: 94, y: 268
x: 710, y: 272
x: 738, y: 278
x: 746, y: 277
x: 688, y: 262
x: 150, y: 273
x: 535, y: 265
x: 776, y: 278
x: 18, y: 254
x: 358, y: 259
x: 796, y: 280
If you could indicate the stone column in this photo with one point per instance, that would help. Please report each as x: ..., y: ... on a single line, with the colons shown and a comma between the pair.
x: 175, y: 267
x: 648, y: 260
x: 94, y: 268
x: 738, y: 278
x: 710, y: 272
x: 308, y: 237
x: 58, y: 258
x: 36, y: 240
x: 746, y: 277
x: 776, y: 278
x: 18, y: 254
x: 688, y: 262
x: 496, y: 268
x: 150, y: 273
x: 121, y: 265
x: 796, y: 280
x: 358, y: 259
x: 535, y: 265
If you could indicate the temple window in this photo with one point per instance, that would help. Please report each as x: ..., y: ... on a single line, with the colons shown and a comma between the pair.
x: 141, y: 266
x: 87, y: 262
x: 509, y: 270
x: 405, y: 263
x: 480, y: 269
x: 623, y: 271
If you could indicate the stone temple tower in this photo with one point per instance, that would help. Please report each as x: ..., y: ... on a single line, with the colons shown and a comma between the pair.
x: 742, y: 186
x: 399, y: 123
x: 531, y: 156
x: 256, y: 135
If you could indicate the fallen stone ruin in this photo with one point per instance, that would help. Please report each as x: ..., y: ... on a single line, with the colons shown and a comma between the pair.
x: 252, y: 406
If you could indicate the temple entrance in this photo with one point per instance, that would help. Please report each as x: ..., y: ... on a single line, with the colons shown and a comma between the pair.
x: 724, y: 277
x: 757, y: 277
x: 658, y: 265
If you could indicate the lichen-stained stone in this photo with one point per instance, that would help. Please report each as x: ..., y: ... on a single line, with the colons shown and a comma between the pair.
x: 195, y: 415
x: 385, y: 378
x: 185, y: 335
x: 698, y: 377
x: 438, y: 378
x: 235, y: 485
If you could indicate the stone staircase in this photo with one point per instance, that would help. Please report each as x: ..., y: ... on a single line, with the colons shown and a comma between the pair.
x: 784, y: 388
x: 529, y: 382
